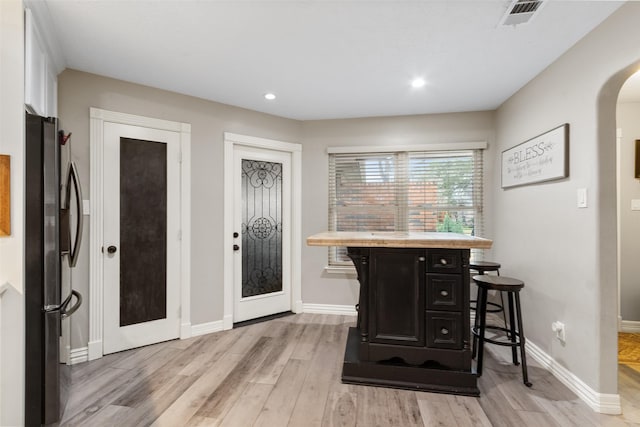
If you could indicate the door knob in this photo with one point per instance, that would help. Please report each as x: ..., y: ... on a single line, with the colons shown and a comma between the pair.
x: 112, y: 249
x: 235, y: 234
x: 236, y: 247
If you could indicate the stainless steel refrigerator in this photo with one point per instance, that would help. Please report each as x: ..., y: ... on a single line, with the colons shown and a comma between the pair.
x: 49, y: 241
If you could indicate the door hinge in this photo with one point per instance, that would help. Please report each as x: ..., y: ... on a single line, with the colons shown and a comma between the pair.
x: 180, y: 235
x: 180, y: 156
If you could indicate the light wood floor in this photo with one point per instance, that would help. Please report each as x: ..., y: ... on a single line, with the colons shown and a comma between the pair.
x: 286, y: 372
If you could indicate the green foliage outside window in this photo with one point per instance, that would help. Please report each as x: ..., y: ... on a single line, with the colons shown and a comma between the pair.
x: 450, y: 225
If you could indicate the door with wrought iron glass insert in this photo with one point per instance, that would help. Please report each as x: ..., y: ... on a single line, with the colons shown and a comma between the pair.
x: 261, y: 227
x: 262, y: 189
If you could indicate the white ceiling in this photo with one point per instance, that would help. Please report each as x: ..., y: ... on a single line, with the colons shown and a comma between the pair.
x: 322, y: 58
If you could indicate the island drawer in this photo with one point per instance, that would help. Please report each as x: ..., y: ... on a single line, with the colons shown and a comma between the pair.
x: 444, y: 292
x: 444, y: 329
x: 444, y: 261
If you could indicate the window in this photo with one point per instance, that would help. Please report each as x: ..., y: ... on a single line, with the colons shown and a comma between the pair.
x: 405, y: 191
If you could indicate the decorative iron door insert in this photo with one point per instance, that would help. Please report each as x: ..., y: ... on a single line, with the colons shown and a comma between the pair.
x: 261, y: 227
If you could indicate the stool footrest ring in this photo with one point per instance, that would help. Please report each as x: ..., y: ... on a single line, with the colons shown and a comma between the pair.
x: 498, y: 308
x: 517, y: 343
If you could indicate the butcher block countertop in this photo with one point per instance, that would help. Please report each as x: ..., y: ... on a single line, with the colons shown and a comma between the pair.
x: 391, y: 239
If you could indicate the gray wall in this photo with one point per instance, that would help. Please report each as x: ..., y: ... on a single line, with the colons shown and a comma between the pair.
x: 209, y: 120
x: 330, y: 288
x: 567, y: 255
x: 628, y: 120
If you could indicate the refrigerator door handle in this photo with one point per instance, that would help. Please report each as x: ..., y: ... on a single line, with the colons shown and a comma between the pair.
x: 66, y: 312
x: 74, y: 177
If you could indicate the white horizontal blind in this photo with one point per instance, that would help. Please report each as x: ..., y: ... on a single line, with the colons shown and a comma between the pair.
x: 405, y: 191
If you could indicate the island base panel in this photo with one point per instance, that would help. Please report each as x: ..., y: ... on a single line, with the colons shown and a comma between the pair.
x: 355, y: 371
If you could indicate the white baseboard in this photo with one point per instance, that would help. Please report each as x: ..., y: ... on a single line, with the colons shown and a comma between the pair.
x: 631, y: 326
x: 79, y: 355
x: 599, y: 402
x: 345, y: 310
x: 207, y: 328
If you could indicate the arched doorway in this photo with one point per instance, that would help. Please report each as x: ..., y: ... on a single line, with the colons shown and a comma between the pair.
x: 608, y: 222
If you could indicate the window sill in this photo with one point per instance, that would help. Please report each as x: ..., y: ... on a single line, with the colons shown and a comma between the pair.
x: 334, y: 269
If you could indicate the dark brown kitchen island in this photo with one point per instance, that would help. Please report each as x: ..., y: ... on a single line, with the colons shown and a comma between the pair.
x: 413, y: 326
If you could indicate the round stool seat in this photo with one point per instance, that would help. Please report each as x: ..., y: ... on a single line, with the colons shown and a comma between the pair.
x: 498, y: 283
x: 482, y: 266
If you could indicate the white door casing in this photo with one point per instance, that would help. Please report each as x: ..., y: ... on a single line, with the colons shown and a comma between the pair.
x: 233, y: 143
x: 275, y: 302
x: 101, y: 121
x: 116, y: 337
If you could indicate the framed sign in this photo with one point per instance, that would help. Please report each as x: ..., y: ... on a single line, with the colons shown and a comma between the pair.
x: 543, y: 158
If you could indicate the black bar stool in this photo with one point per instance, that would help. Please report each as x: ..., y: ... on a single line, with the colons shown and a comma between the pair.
x: 512, y: 287
x: 482, y: 267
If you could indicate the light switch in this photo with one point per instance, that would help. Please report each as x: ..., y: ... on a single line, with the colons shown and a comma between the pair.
x: 635, y: 204
x: 582, y: 197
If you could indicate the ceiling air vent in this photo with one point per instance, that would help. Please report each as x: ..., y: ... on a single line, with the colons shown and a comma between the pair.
x: 521, y: 11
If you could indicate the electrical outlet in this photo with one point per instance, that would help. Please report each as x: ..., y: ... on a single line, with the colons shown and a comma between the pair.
x: 558, y: 328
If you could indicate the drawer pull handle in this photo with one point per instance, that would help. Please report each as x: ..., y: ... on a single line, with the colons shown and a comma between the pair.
x: 444, y: 331
x: 444, y: 293
x: 443, y: 261
x: 421, y: 258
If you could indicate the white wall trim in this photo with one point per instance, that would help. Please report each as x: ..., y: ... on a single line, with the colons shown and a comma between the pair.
x: 227, y: 322
x: 599, y: 402
x: 94, y: 349
x: 344, y: 310
x: 96, y: 284
x: 618, y: 224
x: 231, y: 140
x: 96, y: 238
x: 270, y: 144
x: 631, y: 326
x: 78, y: 355
x: 185, y: 228
x: 444, y: 146
x: 186, y: 330
x: 207, y: 328
x: 341, y: 269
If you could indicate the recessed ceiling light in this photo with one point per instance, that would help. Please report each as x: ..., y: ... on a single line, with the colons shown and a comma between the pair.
x: 269, y: 96
x: 419, y: 82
